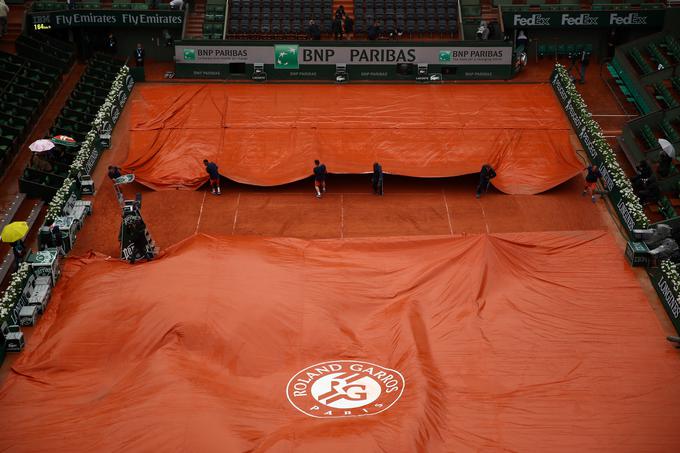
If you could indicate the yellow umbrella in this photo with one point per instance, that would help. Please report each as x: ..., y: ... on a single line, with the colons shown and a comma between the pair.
x: 14, y: 231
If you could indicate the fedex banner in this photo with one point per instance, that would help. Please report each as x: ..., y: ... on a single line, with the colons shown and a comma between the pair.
x: 584, y: 19
x: 291, y: 56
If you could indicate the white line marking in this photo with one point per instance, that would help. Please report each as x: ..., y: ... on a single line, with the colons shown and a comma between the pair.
x: 448, y: 216
x: 200, y: 213
x: 342, y: 216
x: 484, y: 217
x: 238, y: 201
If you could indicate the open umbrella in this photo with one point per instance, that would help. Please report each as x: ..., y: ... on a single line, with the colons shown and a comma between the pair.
x: 666, y: 147
x: 41, y: 145
x: 64, y: 140
x: 14, y: 231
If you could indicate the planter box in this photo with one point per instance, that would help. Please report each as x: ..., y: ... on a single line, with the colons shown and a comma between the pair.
x: 668, y: 297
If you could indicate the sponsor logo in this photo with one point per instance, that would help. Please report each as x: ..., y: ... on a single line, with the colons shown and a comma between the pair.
x: 69, y: 19
x: 588, y: 144
x: 286, y: 56
x: 625, y: 215
x: 559, y: 88
x: 344, y: 388
x: 91, y: 161
x: 669, y: 297
x: 608, y: 182
x: 627, y: 19
x: 189, y: 54
x: 41, y: 19
x: 122, y: 98
x: 129, y: 82
x: 535, y: 20
x: 115, y: 113
x: 581, y: 19
x: 445, y: 56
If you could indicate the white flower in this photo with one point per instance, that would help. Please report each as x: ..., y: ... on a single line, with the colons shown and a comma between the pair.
x: 612, y: 166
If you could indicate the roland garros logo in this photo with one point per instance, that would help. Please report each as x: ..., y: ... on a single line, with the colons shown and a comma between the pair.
x: 344, y: 388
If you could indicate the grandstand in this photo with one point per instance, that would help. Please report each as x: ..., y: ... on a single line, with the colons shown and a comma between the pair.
x: 440, y: 313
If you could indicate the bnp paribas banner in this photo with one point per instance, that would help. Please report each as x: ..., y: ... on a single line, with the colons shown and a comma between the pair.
x: 584, y: 19
x: 292, y: 56
x: 104, y: 18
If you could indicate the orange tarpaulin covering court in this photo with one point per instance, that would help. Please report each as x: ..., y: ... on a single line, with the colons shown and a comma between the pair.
x: 270, y: 134
x: 514, y: 342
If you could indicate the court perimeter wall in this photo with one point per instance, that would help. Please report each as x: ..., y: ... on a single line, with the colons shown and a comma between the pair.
x: 319, y: 60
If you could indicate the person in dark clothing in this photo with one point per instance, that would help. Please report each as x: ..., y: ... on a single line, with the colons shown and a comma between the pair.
x: 349, y: 27
x: 611, y: 43
x: 337, y: 27
x: 665, y: 162
x: 111, y: 44
x: 591, y: 181
x: 573, y: 60
x: 139, y: 55
x: 651, y: 192
x: 113, y: 172
x: 57, y: 239
x: 314, y: 31
x: 214, y: 174
x: 340, y: 12
x: 644, y: 172
x: 584, y: 58
x: 486, y: 174
x: 71, y: 4
x: 18, y: 252
x: 377, y: 179
x: 139, y: 240
x: 373, y: 31
x: 320, y: 174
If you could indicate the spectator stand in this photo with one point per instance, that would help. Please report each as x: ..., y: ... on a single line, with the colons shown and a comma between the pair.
x: 412, y: 18
x: 8, y: 261
x: 277, y: 19
x: 75, y: 121
x: 27, y: 86
x: 645, y: 70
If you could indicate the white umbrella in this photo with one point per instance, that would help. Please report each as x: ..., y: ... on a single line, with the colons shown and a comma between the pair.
x: 666, y: 147
x: 40, y: 146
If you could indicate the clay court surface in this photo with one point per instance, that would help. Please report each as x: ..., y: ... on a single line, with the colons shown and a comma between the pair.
x: 514, y: 319
x: 412, y: 206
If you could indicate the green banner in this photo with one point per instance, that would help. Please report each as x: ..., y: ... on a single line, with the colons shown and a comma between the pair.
x: 668, y: 297
x: 105, y: 18
x: 584, y: 19
x: 111, y: 119
x: 588, y: 143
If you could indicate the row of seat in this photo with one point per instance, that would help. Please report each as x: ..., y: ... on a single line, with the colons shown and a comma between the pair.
x: 439, y: 11
x: 41, y: 5
x: 662, y: 93
x: 562, y: 50
x: 650, y: 140
x: 642, y: 64
x: 283, y: 26
x: 54, y: 55
x: 273, y: 17
x: 27, y: 86
x: 267, y: 4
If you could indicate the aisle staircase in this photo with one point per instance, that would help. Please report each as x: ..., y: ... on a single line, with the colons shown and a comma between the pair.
x: 489, y: 12
x: 348, y: 4
x: 194, y: 27
x: 15, y: 22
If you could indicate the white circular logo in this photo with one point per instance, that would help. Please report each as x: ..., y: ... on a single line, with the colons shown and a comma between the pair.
x: 344, y: 388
